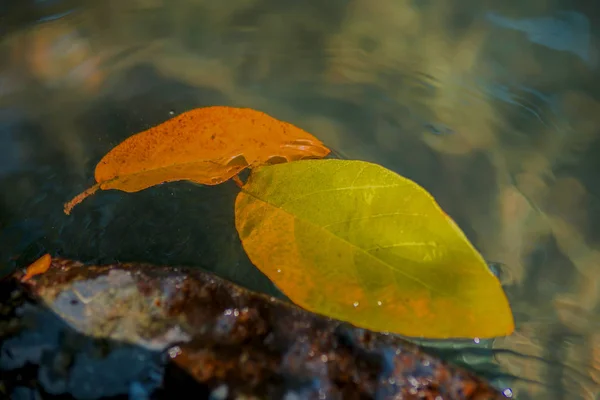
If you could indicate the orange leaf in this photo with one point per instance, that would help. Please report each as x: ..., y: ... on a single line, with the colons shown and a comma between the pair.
x: 205, y: 145
x: 38, y: 267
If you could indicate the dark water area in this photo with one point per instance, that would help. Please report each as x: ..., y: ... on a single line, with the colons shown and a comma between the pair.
x: 494, y: 107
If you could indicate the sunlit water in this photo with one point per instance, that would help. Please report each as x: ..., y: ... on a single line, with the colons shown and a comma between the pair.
x: 492, y: 106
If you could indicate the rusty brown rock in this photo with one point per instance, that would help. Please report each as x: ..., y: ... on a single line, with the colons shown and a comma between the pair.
x: 217, y: 340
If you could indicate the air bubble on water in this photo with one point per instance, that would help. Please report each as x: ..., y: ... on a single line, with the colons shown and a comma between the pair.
x: 278, y: 270
x: 379, y: 303
x: 476, y: 340
x: 502, y: 272
x: 171, y: 112
x: 355, y: 304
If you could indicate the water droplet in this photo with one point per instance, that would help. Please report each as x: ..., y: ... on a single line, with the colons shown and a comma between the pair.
x: 228, y: 312
x: 236, y: 313
x: 324, y: 358
x: 355, y: 304
x: 171, y: 112
x: 379, y: 303
x: 476, y: 340
x: 508, y: 393
x: 278, y: 270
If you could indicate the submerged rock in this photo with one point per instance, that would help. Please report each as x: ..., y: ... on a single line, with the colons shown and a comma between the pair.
x: 145, y: 332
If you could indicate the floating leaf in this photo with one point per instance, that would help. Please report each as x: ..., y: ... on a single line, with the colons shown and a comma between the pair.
x: 206, y: 145
x: 355, y: 241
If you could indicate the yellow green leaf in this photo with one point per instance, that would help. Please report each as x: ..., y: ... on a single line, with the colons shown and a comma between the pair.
x: 357, y: 242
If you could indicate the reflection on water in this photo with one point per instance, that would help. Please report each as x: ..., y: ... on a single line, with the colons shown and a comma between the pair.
x: 493, y: 110
x: 569, y: 31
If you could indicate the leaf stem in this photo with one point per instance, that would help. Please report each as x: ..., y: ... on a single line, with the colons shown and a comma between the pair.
x: 238, y: 181
x: 80, y: 197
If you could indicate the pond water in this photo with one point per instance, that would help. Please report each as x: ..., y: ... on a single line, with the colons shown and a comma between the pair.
x: 494, y: 107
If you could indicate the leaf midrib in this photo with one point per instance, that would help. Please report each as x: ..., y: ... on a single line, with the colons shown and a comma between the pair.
x: 116, y: 178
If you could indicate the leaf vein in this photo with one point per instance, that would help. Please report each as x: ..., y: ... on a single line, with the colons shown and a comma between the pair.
x: 337, y: 190
x: 403, y: 244
x: 376, y: 216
